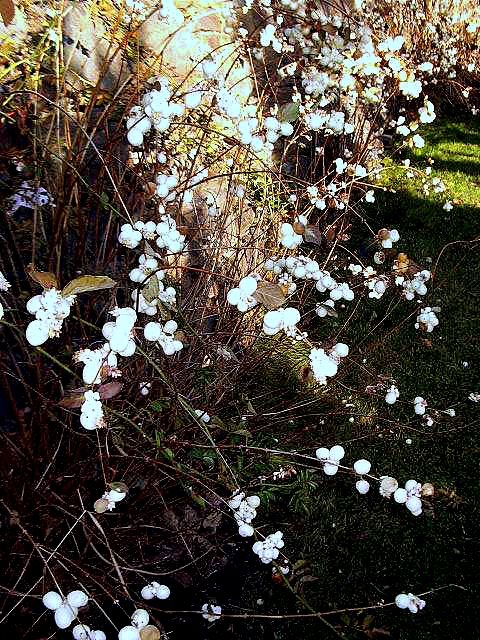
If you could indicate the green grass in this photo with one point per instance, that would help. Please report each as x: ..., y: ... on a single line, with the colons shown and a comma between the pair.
x: 364, y: 549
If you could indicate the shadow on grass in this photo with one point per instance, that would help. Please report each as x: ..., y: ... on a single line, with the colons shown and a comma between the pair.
x: 465, y: 131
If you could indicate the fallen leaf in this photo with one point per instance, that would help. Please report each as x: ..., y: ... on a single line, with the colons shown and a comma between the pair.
x: 150, y: 251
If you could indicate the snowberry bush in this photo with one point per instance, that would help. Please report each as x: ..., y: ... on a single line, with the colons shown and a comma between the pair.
x: 233, y: 241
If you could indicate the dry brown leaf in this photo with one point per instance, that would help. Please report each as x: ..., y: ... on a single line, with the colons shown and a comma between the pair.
x: 150, y: 632
x: 87, y: 283
x: 270, y: 295
x: 100, y: 505
x: 151, y: 290
x: 313, y: 234
x: 7, y: 11
x: 44, y: 278
x: 75, y: 400
x: 109, y: 390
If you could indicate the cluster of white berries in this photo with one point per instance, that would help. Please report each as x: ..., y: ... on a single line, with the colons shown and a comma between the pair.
x: 4, y: 286
x: 325, y: 282
x: 377, y: 286
x: 325, y: 365
x: 427, y: 320
x: 300, y: 267
x: 130, y: 236
x: 331, y: 458
x: 247, y: 134
x: 158, y: 293
x: 83, y: 632
x: 165, y: 234
x: 4, y: 283
x: 227, y: 103
x: 392, y: 395
x: 316, y: 198
x: 268, y: 37
x: 66, y: 609
x: 139, y: 620
x: 146, y: 266
x: 28, y: 196
x: 242, y: 296
x: 275, y: 129
x: 322, y: 309
x: 333, y: 122
x: 268, y: 549
x: 166, y: 183
x: 414, y: 286
x: 211, y: 612
x: 419, y: 405
x: 203, y: 415
x: 119, y: 332
x: 338, y: 291
x: 155, y: 590
x: 305, y: 268
x: 410, y: 496
x: 110, y: 498
x: 156, y: 111
x: 410, y: 602
x: 244, y: 508
x: 149, y: 306
x: 96, y: 362
x: 362, y: 467
x: 50, y: 309
x: 288, y: 236
x: 164, y: 336
x: 91, y: 412
x: 286, y: 319
x: 145, y: 388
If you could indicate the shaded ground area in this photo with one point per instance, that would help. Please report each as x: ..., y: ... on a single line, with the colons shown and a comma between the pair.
x: 361, y: 549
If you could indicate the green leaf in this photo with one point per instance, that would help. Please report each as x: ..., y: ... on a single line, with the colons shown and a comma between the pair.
x: 288, y: 112
x: 120, y: 487
x: 199, y: 500
x: 218, y: 422
x: 243, y: 432
x: 87, y: 283
x: 104, y: 199
x: 168, y: 453
x: 159, y: 404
